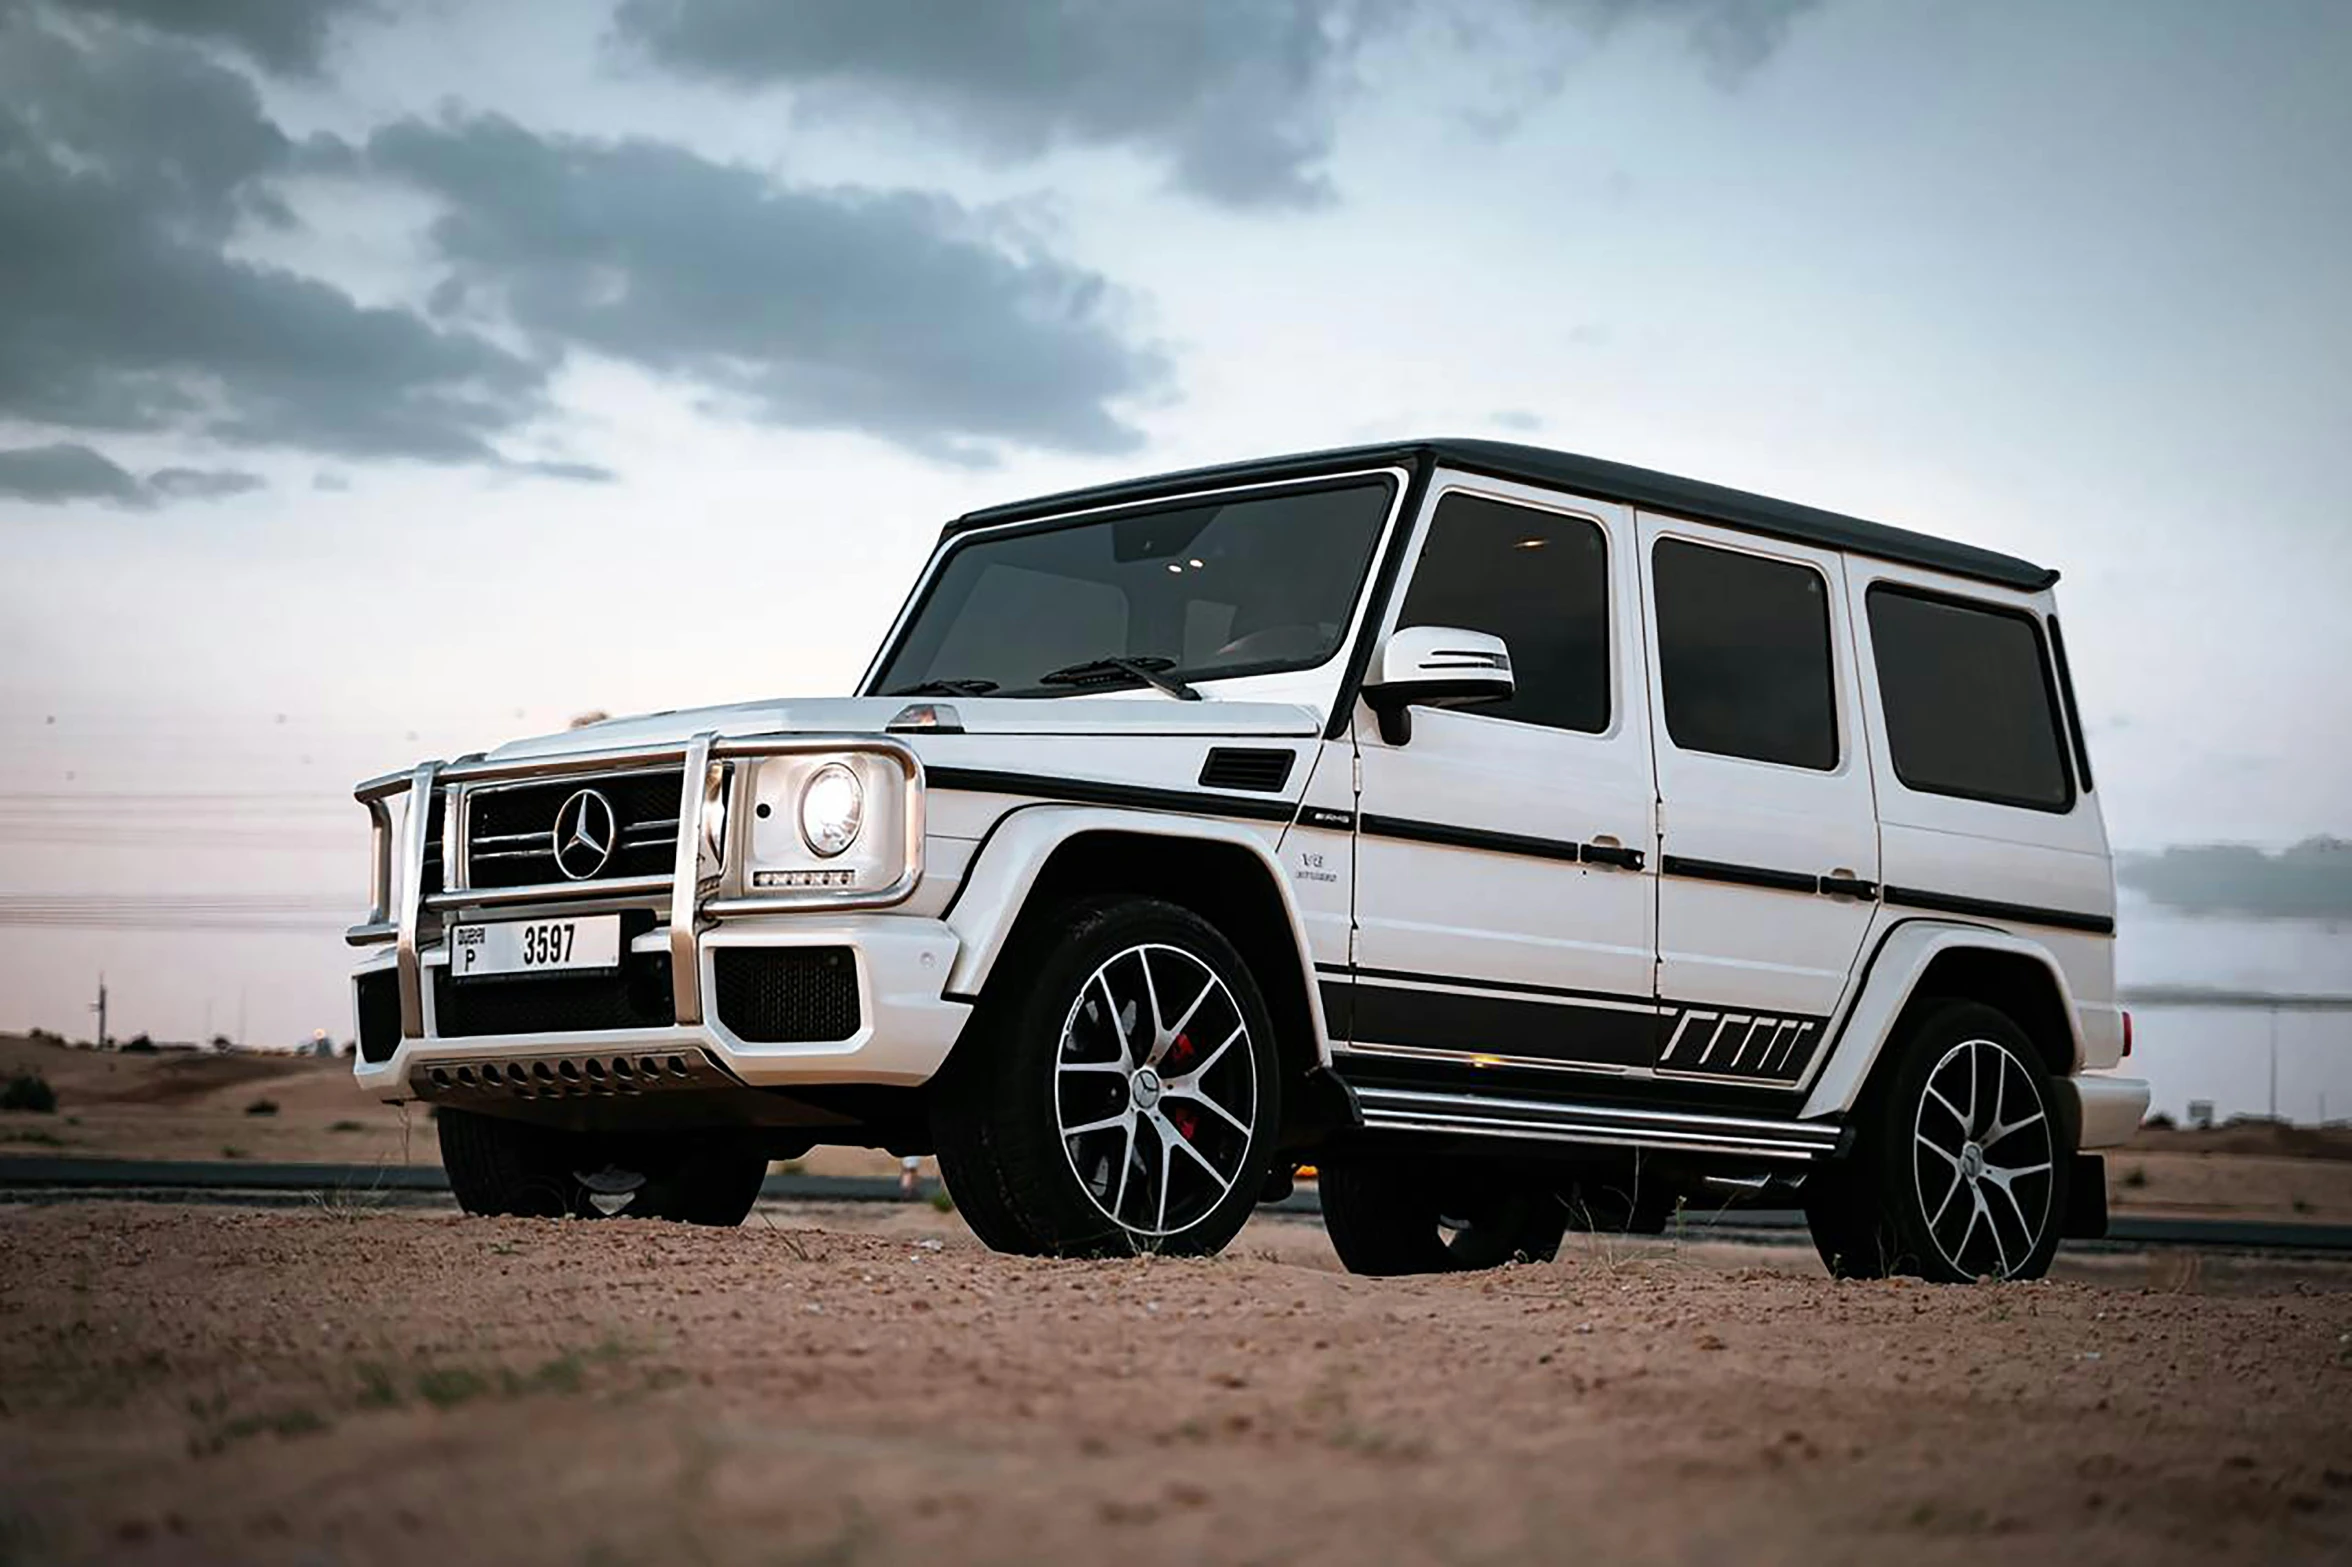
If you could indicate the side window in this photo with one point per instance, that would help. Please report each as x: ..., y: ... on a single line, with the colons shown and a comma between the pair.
x: 1743, y: 655
x: 1538, y: 580
x: 1967, y: 690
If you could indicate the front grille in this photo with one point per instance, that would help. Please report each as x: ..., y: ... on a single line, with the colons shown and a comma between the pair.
x: 379, y: 1016
x: 639, y: 996
x: 510, y: 829
x: 787, y: 995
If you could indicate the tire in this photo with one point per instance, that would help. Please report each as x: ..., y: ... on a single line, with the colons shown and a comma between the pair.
x: 497, y: 1166
x: 1060, y: 1126
x: 1960, y: 1161
x: 1391, y: 1216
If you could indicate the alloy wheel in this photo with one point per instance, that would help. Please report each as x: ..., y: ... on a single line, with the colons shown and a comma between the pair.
x: 1983, y: 1159
x: 1155, y: 1090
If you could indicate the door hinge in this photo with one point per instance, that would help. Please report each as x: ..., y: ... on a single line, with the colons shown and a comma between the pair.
x: 1356, y: 770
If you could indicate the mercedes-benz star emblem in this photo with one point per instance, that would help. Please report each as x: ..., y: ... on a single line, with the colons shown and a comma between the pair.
x: 584, y: 835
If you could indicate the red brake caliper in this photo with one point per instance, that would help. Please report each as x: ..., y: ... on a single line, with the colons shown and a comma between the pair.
x: 1183, y: 1117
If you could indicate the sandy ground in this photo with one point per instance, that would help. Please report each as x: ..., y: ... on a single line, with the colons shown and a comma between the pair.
x: 179, y: 1105
x: 354, y: 1385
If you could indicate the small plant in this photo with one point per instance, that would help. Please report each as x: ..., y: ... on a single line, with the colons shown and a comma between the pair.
x: 446, y: 1388
x: 33, y: 1137
x: 2135, y: 1177
x: 29, y: 1091
x: 262, y: 1107
x: 348, y: 1126
x: 377, y: 1389
x: 942, y: 1200
x: 232, y: 1151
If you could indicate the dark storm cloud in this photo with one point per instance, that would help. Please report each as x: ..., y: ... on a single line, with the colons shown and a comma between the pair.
x: 1238, y: 97
x: 285, y: 36
x: 1235, y: 94
x: 126, y: 164
x: 131, y: 162
x: 66, y: 472
x: 897, y: 314
x: 202, y: 484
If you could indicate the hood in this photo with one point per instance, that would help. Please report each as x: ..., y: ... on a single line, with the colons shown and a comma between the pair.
x: 1122, y: 714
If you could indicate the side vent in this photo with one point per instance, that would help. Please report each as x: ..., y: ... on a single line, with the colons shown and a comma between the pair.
x: 1230, y: 767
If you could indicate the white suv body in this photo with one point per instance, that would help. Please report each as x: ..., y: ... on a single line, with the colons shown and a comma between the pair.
x: 1549, y: 840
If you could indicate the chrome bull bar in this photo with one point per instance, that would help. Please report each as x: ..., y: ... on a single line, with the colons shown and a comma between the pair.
x: 398, y: 905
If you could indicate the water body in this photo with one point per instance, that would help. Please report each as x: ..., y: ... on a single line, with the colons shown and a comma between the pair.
x: 2226, y: 1055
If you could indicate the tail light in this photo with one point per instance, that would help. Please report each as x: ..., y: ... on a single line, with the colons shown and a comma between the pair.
x: 2127, y: 1036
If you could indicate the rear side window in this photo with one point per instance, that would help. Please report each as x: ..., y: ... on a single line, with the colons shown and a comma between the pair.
x: 1970, y: 702
x: 1538, y: 580
x: 1743, y: 655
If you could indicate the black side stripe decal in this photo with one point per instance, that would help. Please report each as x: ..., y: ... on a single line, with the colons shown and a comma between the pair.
x: 1088, y: 791
x: 1445, y: 833
x: 1567, y: 1027
x: 1987, y: 908
x: 1738, y: 875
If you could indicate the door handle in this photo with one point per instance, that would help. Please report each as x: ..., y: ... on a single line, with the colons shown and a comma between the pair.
x: 1603, y: 852
x: 1845, y: 884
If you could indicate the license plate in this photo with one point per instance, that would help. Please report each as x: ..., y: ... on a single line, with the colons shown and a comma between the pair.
x: 535, y: 946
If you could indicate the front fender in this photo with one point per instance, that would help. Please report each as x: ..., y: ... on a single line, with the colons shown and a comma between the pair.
x: 996, y: 886
x: 1888, y: 980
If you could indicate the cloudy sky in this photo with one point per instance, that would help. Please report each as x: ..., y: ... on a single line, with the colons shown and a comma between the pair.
x: 381, y: 380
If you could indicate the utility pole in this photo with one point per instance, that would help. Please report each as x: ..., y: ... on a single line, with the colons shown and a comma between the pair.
x: 99, y: 1007
x: 2274, y: 1063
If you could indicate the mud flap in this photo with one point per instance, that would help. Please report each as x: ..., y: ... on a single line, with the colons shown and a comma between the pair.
x: 2086, y: 1199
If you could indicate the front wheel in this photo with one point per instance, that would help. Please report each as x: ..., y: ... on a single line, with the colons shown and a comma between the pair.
x: 1959, y: 1165
x: 1119, y: 1091
x: 500, y: 1166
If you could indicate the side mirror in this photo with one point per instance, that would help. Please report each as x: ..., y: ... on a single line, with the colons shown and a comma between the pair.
x: 1434, y: 666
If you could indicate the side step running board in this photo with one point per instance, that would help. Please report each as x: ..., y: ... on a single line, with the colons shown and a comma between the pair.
x: 1476, y: 1115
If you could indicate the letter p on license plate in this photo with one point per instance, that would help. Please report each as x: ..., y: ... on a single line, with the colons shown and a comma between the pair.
x: 535, y: 946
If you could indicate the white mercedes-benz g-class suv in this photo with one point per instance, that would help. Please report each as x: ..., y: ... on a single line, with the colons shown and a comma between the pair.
x: 1524, y: 840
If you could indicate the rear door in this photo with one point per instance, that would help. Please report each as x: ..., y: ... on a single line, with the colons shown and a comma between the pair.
x: 1768, y: 848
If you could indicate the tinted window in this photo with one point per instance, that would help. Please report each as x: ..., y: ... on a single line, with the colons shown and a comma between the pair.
x: 1537, y: 580
x: 1224, y: 587
x: 1743, y: 655
x: 1967, y: 693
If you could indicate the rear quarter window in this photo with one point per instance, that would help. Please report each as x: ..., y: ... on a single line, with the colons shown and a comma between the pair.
x: 1970, y: 700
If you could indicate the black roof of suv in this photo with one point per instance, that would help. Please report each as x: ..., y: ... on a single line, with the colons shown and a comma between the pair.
x: 1582, y: 475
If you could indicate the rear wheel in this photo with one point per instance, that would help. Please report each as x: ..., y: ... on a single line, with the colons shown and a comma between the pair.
x: 1400, y: 1215
x: 1119, y: 1092
x: 1959, y: 1164
x: 498, y: 1166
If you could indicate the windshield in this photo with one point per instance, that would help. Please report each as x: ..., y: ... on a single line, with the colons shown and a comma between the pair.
x: 1198, y: 589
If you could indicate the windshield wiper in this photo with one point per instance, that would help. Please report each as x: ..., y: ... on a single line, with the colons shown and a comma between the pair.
x: 946, y: 688
x: 1149, y: 668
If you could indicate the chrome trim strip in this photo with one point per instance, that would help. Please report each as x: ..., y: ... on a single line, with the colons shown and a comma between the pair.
x: 421, y: 786
x: 686, y: 881
x: 549, y: 892
x: 1478, y: 1115
x: 372, y: 934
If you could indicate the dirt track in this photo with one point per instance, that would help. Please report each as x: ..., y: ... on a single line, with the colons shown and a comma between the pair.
x: 380, y: 1386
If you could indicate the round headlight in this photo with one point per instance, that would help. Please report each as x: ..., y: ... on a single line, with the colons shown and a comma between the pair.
x: 832, y: 807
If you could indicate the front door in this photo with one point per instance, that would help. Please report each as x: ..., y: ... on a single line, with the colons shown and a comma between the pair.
x: 1504, y: 907
x: 1769, y: 834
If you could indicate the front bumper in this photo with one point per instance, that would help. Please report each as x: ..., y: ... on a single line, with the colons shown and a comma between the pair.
x: 678, y: 928
x: 905, y: 1028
